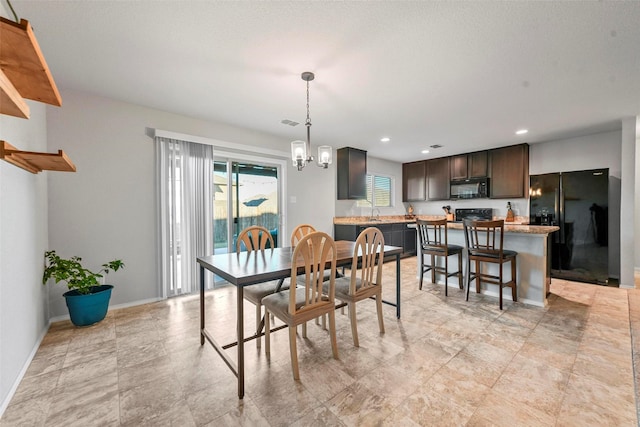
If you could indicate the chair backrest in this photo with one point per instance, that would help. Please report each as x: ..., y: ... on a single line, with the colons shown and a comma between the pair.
x: 313, y: 252
x: 254, y: 238
x: 369, y: 253
x: 484, y: 237
x: 432, y: 234
x: 299, y: 232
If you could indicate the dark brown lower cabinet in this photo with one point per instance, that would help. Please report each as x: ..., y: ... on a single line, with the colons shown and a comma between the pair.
x: 395, y: 234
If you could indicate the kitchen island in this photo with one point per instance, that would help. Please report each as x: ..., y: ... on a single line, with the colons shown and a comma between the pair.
x: 530, y: 241
x: 532, y: 265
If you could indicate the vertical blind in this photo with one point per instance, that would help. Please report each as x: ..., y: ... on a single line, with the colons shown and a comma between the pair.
x: 185, y: 195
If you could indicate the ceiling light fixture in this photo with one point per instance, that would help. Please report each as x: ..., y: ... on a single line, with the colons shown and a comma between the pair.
x: 385, y: 139
x: 521, y: 132
x: 425, y: 151
x: 301, y: 150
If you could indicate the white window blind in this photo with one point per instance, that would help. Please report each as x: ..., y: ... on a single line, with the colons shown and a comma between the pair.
x: 379, y: 193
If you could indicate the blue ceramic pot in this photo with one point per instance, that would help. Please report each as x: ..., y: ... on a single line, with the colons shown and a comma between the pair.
x: 87, y: 309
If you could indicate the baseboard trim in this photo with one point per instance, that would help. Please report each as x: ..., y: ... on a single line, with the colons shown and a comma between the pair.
x: 23, y: 371
x: 112, y: 307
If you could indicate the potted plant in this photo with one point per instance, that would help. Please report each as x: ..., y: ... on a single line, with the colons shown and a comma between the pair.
x: 87, y: 299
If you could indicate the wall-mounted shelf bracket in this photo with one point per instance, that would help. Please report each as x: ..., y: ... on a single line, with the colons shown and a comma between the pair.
x: 24, y: 70
x: 11, y: 101
x: 35, y: 162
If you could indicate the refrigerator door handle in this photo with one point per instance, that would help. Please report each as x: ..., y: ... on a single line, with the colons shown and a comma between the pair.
x: 560, y: 201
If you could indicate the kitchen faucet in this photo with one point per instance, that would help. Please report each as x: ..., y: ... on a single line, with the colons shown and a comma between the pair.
x: 376, y: 209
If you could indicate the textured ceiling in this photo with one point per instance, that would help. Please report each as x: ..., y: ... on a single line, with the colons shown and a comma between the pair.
x: 464, y: 75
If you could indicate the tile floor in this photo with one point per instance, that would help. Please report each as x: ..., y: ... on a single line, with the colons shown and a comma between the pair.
x: 446, y: 362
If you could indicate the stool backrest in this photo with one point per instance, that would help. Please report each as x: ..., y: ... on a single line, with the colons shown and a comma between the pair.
x: 432, y: 234
x: 484, y: 237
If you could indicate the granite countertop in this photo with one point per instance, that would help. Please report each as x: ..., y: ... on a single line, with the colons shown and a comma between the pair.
x: 520, y: 226
x: 365, y: 220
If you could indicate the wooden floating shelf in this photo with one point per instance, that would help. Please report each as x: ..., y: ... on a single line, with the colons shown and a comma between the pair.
x: 35, y: 162
x: 23, y: 64
x: 11, y: 102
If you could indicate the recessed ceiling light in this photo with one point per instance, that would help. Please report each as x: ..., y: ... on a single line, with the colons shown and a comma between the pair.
x: 425, y: 151
x: 521, y: 132
x: 385, y: 139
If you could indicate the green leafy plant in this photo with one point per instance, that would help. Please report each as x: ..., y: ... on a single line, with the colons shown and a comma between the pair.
x: 71, y: 271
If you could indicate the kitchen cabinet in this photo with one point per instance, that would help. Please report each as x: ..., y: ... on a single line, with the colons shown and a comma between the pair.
x: 477, y: 164
x: 352, y: 173
x: 414, y: 181
x: 438, y: 180
x: 468, y: 166
x: 409, y: 241
x: 395, y: 234
x: 459, y: 167
x: 509, y: 172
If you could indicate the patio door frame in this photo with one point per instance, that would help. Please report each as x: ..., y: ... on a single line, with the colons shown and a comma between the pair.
x: 230, y: 157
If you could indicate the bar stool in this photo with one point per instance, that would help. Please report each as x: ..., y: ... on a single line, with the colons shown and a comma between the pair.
x: 484, y: 242
x: 432, y: 237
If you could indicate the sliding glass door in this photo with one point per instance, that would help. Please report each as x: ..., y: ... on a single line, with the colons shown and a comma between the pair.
x: 246, y: 193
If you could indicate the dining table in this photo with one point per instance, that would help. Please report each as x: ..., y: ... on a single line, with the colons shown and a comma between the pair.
x: 251, y: 267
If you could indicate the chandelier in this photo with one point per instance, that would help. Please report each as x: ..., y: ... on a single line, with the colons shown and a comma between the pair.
x: 301, y: 150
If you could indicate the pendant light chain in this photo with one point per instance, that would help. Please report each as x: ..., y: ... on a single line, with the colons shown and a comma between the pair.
x: 308, y: 125
x: 308, y: 119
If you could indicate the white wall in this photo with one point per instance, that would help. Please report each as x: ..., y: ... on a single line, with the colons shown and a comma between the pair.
x: 627, y: 202
x: 375, y: 166
x: 23, y: 239
x: 636, y: 209
x: 314, y: 192
x: 107, y: 209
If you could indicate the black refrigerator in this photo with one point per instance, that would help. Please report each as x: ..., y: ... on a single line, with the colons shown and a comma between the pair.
x: 578, y: 203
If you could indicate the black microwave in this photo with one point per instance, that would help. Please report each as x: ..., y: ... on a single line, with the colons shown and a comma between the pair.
x: 477, y: 188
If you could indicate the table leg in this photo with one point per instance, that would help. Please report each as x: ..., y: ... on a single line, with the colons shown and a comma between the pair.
x: 201, y: 305
x: 240, y: 342
x: 398, y: 285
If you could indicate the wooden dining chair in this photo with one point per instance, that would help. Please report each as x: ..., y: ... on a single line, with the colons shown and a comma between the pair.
x: 434, y: 243
x: 364, y: 282
x: 256, y: 238
x: 298, y: 305
x: 484, y: 241
x: 299, y: 232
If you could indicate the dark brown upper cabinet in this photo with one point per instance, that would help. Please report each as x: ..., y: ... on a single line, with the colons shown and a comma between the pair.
x: 352, y: 173
x: 459, y: 167
x: 478, y: 164
x: 466, y: 166
x: 438, y: 179
x: 509, y: 167
x: 414, y: 181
